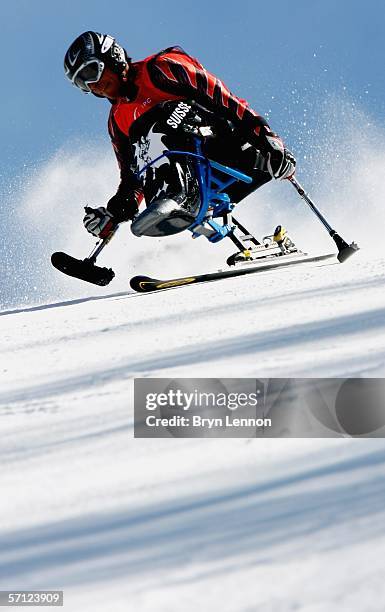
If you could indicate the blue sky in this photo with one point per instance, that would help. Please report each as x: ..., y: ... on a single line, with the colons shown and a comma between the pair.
x: 273, y: 54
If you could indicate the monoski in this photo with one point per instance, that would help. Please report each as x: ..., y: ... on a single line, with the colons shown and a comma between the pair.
x: 215, y: 221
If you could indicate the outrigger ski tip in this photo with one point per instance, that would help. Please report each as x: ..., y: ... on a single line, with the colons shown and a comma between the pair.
x: 83, y: 269
x: 146, y: 284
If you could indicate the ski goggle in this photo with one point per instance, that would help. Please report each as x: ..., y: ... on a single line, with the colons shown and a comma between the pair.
x: 89, y: 72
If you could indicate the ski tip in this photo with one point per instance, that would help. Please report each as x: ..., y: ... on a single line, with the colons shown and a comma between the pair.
x: 143, y: 284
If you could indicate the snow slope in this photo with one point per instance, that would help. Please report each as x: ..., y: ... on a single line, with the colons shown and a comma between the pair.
x: 168, y: 525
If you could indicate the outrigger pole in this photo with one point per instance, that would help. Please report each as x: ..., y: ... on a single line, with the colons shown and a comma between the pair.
x: 345, y: 250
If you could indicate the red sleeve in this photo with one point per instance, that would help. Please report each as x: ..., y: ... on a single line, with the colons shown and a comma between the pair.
x: 178, y: 73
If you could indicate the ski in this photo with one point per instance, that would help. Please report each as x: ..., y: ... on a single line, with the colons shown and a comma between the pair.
x: 145, y: 284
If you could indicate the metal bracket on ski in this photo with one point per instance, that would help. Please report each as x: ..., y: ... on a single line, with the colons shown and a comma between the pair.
x: 250, y: 249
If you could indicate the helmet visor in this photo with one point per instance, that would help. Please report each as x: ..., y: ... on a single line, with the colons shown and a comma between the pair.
x: 89, y: 72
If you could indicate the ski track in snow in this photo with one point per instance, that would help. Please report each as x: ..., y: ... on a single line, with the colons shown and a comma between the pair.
x: 169, y: 525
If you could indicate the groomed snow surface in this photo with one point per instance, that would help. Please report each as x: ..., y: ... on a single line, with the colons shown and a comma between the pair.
x: 176, y: 525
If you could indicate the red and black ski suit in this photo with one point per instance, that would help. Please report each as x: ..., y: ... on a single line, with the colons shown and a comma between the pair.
x: 173, y: 75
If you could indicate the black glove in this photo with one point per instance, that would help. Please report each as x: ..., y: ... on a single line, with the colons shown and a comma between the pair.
x: 124, y: 206
x: 99, y: 222
x: 280, y: 161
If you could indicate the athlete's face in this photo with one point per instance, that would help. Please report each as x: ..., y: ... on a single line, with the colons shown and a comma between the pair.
x: 109, y: 84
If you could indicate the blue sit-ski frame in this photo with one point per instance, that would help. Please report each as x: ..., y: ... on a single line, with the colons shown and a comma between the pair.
x: 215, y: 202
